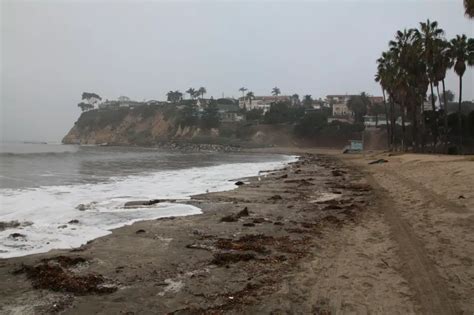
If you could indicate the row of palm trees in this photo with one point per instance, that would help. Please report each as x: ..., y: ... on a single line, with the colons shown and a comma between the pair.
x: 176, y: 96
x: 415, y: 64
x: 250, y: 95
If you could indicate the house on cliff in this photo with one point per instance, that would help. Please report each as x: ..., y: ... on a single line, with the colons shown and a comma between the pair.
x: 263, y: 102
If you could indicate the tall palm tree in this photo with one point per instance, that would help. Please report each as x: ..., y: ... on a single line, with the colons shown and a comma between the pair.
x: 469, y: 7
x: 427, y: 37
x: 401, y: 49
x: 276, y: 91
x: 462, y: 53
x: 191, y: 92
x: 201, y: 91
x: 178, y: 95
x: 380, y: 78
x: 243, y: 89
x: 250, y: 97
x: 442, y: 62
x: 385, y: 76
x: 295, y: 99
x: 308, y: 100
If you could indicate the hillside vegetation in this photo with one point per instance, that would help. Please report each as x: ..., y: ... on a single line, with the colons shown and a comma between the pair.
x: 147, y: 125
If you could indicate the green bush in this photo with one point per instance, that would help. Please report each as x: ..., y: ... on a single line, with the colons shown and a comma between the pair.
x: 140, y: 138
x: 101, y: 118
x: 310, y: 125
x: 283, y: 112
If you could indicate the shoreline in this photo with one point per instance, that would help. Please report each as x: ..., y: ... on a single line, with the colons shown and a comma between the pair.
x: 100, y: 220
x: 329, y: 233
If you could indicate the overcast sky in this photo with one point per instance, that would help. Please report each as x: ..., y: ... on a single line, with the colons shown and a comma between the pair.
x: 52, y: 51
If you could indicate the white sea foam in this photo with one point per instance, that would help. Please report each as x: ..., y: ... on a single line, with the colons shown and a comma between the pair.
x: 50, y: 208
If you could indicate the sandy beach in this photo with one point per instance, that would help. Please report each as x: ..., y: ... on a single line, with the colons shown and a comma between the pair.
x: 328, y: 234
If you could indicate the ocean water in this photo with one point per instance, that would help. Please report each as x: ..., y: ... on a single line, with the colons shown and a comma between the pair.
x: 42, y: 185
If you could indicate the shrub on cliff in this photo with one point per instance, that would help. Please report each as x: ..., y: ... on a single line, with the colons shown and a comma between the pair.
x: 283, y: 112
x: 255, y: 114
x: 310, y: 124
x: 210, y: 117
x: 144, y: 111
x: 140, y: 138
x: 95, y: 119
x: 187, y: 116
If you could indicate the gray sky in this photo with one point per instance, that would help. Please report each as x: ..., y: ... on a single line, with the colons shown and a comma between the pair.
x: 52, y: 51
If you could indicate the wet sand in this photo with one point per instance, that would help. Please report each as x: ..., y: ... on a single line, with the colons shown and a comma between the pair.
x: 328, y: 234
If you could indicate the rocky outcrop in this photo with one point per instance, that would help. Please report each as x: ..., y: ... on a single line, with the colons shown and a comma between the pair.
x: 161, y: 126
x: 127, y: 127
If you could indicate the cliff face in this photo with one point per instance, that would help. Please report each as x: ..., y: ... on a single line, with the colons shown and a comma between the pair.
x: 148, y: 125
x: 139, y: 126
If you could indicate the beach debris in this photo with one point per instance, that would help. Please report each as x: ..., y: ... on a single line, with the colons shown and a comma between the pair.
x: 230, y: 218
x: 248, y: 224
x: 65, y: 261
x: 62, y: 226
x: 141, y: 231
x: 300, y: 182
x: 379, y: 161
x: 336, y: 173
x: 250, y: 242
x: 239, y: 183
x: 54, y: 274
x: 221, y: 259
x: 172, y: 286
x: 16, y: 236
x: 260, y: 220
x: 200, y: 246
x: 461, y: 197
x: 73, y: 221
x: 56, y: 278
x: 166, y: 218
x: 275, y: 197
x: 278, y: 223
x: 283, y: 176
x: 243, y: 213
x: 326, y: 197
x: 332, y: 207
x: 237, y: 216
x: 141, y: 203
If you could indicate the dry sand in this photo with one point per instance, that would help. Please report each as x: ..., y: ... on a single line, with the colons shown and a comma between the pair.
x: 329, y: 234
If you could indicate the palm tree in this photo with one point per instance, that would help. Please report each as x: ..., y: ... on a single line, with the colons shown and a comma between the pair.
x: 250, y: 96
x: 469, y: 7
x: 462, y: 53
x: 307, y: 100
x: 243, y: 89
x: 174, y: 96
x: 401, y: 49
x: 191, y: 92
x: 276, y: 91
x: 201, y: 91
x: 295, y: 99
x: 385, y: 76
x: 427, y: 37
x: 380, y: 77
x: 170, y: 96
x: 442, y: 62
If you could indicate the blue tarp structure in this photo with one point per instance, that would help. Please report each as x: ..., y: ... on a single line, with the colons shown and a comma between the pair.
x: 356, y: 145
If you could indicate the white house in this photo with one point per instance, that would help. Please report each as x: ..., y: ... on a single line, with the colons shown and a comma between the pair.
x: 262, y: 102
